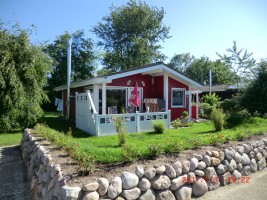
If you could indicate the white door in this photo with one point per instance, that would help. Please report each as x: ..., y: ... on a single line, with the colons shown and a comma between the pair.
x: 140, y: 92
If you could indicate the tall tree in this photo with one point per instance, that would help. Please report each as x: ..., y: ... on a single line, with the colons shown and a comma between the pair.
x: 255, y: 95
x: 181, y: 62
x: 82, y: 58
x: 240, y: 62
x: 130, y: 35
x: 199, y: 71
x: 23, y: 73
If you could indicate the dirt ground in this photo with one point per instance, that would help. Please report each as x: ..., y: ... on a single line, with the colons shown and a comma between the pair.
x: 71, y: 169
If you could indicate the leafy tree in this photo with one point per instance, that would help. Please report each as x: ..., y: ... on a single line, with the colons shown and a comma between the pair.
x: 240, y: 62
x: 199, y: 71
x: 23, y: 73
x: 181, y: 62
x: 82, y: 58
x: 255, y: 95
x: 130, y: 35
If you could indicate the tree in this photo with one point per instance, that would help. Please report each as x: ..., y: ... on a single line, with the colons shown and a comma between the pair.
x: 130, y: 35
x: 255, y: 95
x: 82, y: 58
x: 181, y: 62
x: 199, y: 71
x: 23, y: 73
x: 240, y: 62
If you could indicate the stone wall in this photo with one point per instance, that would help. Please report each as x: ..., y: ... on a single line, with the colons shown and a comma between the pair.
x: 181, y: 180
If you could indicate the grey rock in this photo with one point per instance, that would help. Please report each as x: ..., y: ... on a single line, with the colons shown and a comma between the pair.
x: 261, y: 164
x: 90, y: 187
x: 103, y: 186
x: 236, y: 174
x: 164, y: 195
x: 237, y: 157
x: 251, y: 154
x: 198, y: 157
x: 225, y: 179
x: 148, y: 195
x: 246, y: 171
x: 185, y: 166
x: 265, y: 141
x: 214, y: 161
x: 46, y: 178
x: 206, y: 159
x: 221, y: 169
x: 131, y: 194
x: 199, y: 188
x: 228, y: 154
x: 68, y: 192
x: 232, y: 165
x: 239, y: 166
x: 208, y: 153
x: 256, y: 150
x: 191, y: 177
x: 144, y: 184
x: 183, y: 193
x: 178, y: 168
x: 212, y: 178
x: 150, y: 173
x: 160, y: 182
x: 170, y: 171
x: 199, y: 173
x: 178, y: 182
x: 193, y: 164
x: 91, y: 196
x: 258, y: 156
x: 129, y: 180
x: 201, y: 165
x: 160, y: 170
x: 245, y: 159
x: 139, y: 171
x: 115, y: 187
x: 240, y: 149
x: 253, y: 165
x: 215, y: 154
x: 247, y: 148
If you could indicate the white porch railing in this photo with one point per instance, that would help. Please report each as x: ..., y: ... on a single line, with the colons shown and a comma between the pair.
x: 99, y: 125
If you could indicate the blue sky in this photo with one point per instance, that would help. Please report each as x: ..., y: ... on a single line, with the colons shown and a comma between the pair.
x: 200, y: 27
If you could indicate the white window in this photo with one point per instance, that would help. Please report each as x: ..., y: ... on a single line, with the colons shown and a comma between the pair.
x: 178, y: 97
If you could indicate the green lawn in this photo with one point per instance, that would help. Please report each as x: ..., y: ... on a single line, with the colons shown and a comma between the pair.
x: 106, y: 149
x: 10, y: 138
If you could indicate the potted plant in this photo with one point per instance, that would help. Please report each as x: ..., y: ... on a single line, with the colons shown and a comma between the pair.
x: 185, y: 118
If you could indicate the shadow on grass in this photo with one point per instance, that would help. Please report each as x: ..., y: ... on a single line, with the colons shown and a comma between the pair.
x: 55, y: 121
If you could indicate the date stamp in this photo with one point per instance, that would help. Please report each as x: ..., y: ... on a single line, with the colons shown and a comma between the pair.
x: 216, y: 179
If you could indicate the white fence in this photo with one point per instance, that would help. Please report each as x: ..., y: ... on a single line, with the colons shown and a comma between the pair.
x: 89, y: 121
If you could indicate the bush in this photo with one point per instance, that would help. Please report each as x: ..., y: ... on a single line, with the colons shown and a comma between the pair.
x: 159, y: 126
x: 176, y: 123
x: 205, y: 109
x: 211, y: 99
x: 218, y: 119
x: 121, y: 130
x: 154, y: 150
x: 173, y: 147
x: 129, y: 153
x: 185, y: 114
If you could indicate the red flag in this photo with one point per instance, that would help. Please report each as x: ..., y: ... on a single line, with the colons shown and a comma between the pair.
x: 134, y: 98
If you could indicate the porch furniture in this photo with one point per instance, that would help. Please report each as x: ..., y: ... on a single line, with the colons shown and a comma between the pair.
x: 130, y: 109
x: 154, y: 104
x: 112, y: 110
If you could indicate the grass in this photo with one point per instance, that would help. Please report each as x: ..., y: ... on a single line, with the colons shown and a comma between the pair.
x: 107, y: 150
x: 10, y: 138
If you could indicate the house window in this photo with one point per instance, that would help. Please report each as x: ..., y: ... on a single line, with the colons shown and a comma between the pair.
x: 178, y: 97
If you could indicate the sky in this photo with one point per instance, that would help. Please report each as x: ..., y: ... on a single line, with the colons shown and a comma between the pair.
x: 200, y: 27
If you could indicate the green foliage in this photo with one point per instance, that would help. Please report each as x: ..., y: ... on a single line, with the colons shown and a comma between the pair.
x: 174, y: 146
x: 255, y: 95
x: 205, y: 109
x: 121, y: 130
x: 185, y: 114
x: 211, y: 99
x: 154, y: 150
x: 232, y: 106
x: 159, y: 126
x: 130, y: 35
x: 176, y: 123
x: 10, y: 138
x: 180, y: 62
x: 195, y: 142
x: 23, y: 73
x: 129, y: 153
x: 218, y: 118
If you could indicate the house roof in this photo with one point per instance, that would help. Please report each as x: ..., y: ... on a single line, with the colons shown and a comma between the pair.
x: 218, y: 88
x: 154, y: 69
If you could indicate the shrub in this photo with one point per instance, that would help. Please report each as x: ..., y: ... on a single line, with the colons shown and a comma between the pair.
x: 159, y: 126
x: 176, y: 123
x: 218, y: 119
x: 173, y: 147
x: 205, y: 109
x: 211, y: 99
x: 154, y: 150
x: 129, y: 153
x: 121, y: 130
x: 185, y: 114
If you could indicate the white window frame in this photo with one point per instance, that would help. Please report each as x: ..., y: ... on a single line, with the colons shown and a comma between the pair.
x: 184, y: 102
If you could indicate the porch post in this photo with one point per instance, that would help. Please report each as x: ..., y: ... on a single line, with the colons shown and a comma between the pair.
x: 104, y: 98
x: 190, y: 103
x: 166, y: 92
x: 197, y: 105
x: 96, y: 97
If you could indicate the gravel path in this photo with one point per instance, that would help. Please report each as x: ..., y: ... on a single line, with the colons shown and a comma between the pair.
x: 13, y: 175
